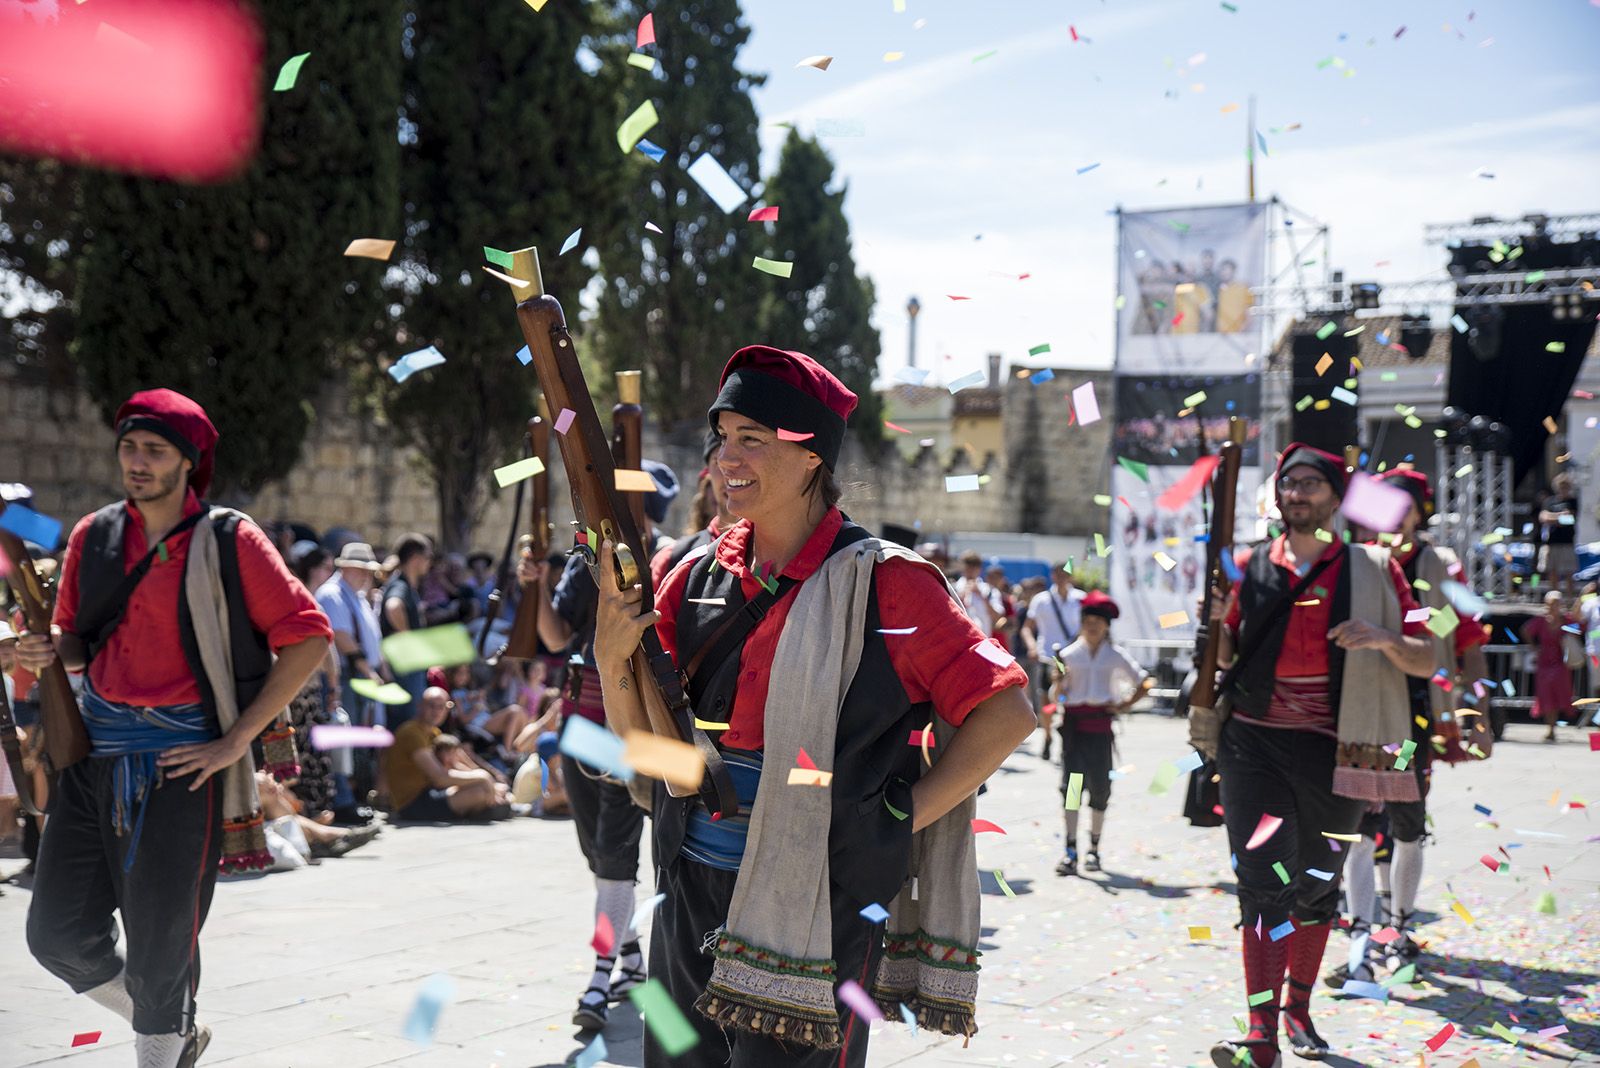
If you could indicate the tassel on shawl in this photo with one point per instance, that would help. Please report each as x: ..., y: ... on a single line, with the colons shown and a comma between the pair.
x: 934, y: 978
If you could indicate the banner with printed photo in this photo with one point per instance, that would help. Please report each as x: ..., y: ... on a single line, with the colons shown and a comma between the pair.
x: 1183, y: 289
x: 1173, y: 419
x: 1155, y: 567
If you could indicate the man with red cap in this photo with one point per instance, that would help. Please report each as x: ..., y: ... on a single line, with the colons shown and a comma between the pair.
x: 193, y: 637
x: 1319, y: 729
x: 1098, y: 680
x: 1441, y: 706
x: 813, y: 653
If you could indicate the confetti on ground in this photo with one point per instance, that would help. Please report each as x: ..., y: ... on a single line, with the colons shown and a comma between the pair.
x: 1199, y: 934
x: 85, y: 1038
x: 289, y: 72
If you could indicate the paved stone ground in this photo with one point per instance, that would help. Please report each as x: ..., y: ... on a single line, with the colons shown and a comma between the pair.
x: 320, y: 966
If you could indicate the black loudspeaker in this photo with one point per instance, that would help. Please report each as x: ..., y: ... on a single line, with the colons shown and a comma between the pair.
x: 900, y: 535
x: 1323, y: 406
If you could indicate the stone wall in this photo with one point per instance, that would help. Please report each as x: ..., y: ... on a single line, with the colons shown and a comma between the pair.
x: 353, y: 474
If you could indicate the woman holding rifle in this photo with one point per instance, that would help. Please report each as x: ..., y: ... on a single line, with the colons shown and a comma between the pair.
x: 861, y: 647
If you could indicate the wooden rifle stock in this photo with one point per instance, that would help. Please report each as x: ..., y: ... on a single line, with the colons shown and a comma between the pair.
x: 1219, y: 540
x: 523, y: 642
x: 65, y: 740
x: 627, y: 447
x: 603, y: 513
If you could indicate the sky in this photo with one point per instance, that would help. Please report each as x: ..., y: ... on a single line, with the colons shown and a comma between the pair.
x: 965, y: 172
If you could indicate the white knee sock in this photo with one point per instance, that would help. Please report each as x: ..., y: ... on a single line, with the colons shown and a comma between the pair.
x: 113, y: 994
x: 158, y: 1051
x: 1407, y: 877
x: 614, y: 900
x: 1359, y: 881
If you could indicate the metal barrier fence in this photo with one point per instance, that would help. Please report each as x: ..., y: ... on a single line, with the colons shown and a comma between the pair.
x: 1515, y: 664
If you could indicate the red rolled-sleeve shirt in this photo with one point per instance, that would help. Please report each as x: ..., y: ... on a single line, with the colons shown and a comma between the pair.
x: 938, y: 661
x: 1305, y: 641
x: 142, y: 662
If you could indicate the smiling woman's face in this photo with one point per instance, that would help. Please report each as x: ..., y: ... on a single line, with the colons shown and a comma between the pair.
x: 763, y: 473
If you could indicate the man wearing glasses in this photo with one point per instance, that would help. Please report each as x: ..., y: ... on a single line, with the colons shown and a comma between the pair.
x: 1315, y: 631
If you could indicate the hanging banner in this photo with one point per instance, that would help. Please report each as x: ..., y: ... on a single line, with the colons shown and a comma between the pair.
x: 1184, y: 331
x: 1184, y: 289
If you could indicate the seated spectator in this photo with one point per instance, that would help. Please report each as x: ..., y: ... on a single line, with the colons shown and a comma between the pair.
x: 310, y: 838
x: 477, y: 718
x: 422, y: 788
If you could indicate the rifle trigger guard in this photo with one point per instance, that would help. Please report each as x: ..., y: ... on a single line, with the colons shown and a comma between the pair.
x: 627, y: 566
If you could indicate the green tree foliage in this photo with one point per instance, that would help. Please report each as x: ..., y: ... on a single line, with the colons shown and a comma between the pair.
x: 677, y: 304
x: 238, y: 293
x: 824, y: 308
x: 41, y: 228
x: 505, y: 144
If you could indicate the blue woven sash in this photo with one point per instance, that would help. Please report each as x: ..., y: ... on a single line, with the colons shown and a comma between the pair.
x: 720, y: 843
x: 135, y: 737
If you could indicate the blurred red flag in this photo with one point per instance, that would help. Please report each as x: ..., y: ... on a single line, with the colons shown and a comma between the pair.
x: 166, y: 89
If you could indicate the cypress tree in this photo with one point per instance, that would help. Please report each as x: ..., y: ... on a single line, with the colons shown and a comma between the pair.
x: 238, y: 293
x: 505, y: 144
x: 824, y: 308
x: 678, y: 304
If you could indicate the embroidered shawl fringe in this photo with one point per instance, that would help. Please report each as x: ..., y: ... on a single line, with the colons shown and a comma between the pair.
x: 776, y: 1023
x: 244, y: 846
x: 1369, y: 784
x: 934, y: 978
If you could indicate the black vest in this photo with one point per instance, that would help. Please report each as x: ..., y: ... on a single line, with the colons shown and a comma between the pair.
x: 686, y: 545
x: 1265, y: 582
x: 101, y: 569
x: 869, y: 850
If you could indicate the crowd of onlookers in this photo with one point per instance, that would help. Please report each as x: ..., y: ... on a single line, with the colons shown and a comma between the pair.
x: 469, y: 741
x: 479, y: 740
